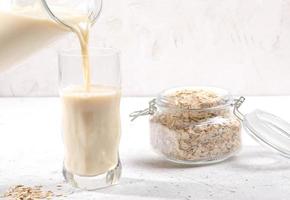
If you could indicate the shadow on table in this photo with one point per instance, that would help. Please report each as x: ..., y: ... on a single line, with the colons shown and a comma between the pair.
x: 132, y: 187
x: 249, y: 159
x: 158, y: 189
x: 160, y: 163
x: 260, y: 159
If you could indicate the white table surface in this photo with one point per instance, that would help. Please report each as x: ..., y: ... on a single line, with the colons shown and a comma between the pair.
x: 31, y: 154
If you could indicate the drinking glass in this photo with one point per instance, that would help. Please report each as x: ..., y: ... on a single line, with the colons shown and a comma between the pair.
x: 90, y: 118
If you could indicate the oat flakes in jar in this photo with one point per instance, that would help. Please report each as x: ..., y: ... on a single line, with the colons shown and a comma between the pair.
x: 194, y: 125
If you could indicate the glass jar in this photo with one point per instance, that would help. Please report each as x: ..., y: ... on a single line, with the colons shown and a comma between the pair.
x: 206, y: 132
x: 195, y: 125
x: 202, y: 125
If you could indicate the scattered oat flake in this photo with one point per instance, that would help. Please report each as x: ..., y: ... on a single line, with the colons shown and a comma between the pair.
x: 21, y: 192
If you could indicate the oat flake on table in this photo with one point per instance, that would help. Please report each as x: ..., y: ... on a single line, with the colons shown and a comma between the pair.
x: 21, y: 192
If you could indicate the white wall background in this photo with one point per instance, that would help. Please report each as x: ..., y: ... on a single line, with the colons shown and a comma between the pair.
x: 241, y: 45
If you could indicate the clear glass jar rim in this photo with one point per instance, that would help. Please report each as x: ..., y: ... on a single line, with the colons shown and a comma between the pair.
x: 162, y: 100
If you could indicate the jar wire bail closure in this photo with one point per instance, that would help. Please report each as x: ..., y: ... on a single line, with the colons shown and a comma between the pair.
x: 148, y: 111
x: 237, y: 104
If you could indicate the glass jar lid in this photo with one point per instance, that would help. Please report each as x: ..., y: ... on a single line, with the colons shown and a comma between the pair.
x: 269, y: 130
x: 266, y: 128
